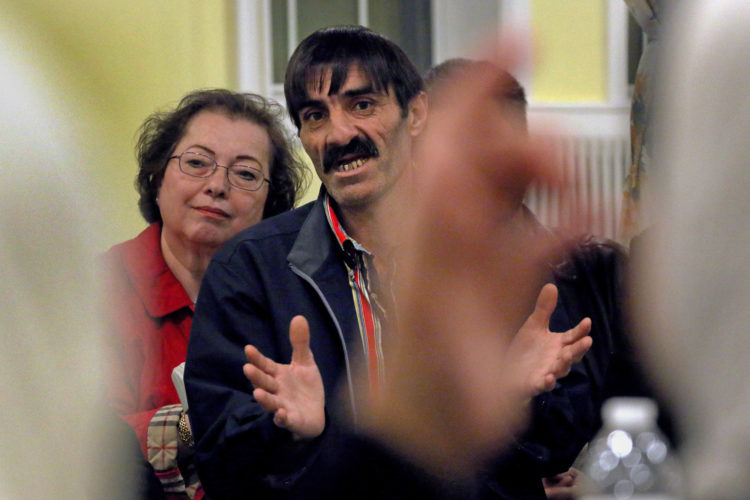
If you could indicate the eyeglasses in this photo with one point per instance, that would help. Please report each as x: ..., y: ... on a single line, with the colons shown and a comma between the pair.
x: 240, y: 176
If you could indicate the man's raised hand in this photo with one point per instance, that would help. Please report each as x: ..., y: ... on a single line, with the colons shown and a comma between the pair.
x: 294, y: 393
x: 540, y: 356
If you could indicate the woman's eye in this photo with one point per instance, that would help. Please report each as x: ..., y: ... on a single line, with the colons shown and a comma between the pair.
x: 195, y: 161
x: 245, y: 173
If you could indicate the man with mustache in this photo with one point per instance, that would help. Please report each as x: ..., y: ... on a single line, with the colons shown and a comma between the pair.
x: 359, y: 106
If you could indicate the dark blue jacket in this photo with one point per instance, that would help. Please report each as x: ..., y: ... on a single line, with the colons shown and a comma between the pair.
x: 254, y: 286
x: 290, y: 265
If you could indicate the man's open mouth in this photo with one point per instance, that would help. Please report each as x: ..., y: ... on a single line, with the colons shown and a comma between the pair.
x: 351, y: 165
x: 350, y: 156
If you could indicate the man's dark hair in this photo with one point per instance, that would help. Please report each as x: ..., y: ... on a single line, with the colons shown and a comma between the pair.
x: 337, y: 49
x: 160, y: 133
x: 451, y: 68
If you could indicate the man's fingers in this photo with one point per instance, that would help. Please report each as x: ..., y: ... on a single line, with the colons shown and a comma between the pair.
x: 548, y: 383
x: 560, y: 493
x: 545, y: 305
x: 562, y: 479
x: 578, y: 332
x: 576, y: 342
x: 571, y: 354
x: 577, y: 350
x: 299, y: 336
x: 260, y: 379
x: 257, y: 359
x: 266, y: 400
x: 280, y: 418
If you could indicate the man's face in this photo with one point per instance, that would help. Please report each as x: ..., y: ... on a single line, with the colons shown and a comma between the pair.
x: 357, y: 139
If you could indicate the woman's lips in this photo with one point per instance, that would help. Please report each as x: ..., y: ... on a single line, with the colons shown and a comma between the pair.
x: 213, y: 212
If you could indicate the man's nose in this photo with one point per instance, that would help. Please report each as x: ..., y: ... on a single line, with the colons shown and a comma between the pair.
x: 342, y: 128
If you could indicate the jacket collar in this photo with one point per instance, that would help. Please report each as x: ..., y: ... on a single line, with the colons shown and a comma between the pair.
x: 152, y: 280
x: 315, y: 243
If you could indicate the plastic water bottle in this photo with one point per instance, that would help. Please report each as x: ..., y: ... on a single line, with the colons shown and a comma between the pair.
x: 629, y: 458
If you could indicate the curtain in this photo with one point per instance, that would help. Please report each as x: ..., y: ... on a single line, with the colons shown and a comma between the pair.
x: 647, y: 14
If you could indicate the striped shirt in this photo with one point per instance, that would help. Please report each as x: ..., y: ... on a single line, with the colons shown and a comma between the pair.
x: 363, y: 282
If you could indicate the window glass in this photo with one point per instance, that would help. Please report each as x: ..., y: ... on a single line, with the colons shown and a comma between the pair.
x: 279, y: 38
x: 312, y: 14
x: 407, y: 23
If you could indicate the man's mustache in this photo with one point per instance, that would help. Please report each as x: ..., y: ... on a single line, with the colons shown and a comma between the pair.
x: 358, y: 146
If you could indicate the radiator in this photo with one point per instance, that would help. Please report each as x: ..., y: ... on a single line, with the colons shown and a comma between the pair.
x: 595, y: 168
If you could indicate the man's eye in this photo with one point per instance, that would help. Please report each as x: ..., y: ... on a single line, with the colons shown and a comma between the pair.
x: 362, y: 105
x: 312, y: 116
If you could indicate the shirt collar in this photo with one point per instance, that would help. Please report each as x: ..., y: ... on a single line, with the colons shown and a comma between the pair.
x: 348, y: 245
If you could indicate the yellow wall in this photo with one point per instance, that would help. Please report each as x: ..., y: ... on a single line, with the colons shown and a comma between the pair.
x: 570, y: 42
x: 115, y: 62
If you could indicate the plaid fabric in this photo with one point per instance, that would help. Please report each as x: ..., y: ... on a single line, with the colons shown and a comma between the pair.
x: 362, y: 279
x: 179, y: 480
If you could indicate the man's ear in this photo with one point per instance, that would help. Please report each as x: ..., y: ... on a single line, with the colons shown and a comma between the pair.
x: 418, y: 113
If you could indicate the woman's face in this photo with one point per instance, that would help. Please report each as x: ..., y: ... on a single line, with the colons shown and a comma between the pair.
x: 203, y: 213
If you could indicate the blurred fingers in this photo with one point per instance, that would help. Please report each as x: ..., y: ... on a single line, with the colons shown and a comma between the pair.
x: 561, y: 486
x: 560, y: 493
x: 563, y: 479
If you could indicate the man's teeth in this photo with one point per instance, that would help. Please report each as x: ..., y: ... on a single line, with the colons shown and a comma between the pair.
x: 352, y: 165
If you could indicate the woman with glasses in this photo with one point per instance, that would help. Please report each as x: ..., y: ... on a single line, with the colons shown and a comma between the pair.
x: 216, y: 164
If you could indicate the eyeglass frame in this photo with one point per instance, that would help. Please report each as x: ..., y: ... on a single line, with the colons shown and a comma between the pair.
x: 216, y: 164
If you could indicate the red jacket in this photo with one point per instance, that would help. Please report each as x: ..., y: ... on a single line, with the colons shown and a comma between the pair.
x: 150, y: 315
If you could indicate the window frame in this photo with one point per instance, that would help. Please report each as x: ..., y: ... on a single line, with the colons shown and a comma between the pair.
x: 254, y: 55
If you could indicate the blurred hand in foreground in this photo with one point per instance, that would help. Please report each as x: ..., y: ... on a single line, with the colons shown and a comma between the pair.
x: 465, y: 360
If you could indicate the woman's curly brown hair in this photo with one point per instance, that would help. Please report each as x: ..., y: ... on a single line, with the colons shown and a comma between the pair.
x: 160, y: 133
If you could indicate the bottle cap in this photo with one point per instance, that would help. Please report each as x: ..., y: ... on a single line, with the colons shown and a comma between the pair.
x: 629, y: 412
